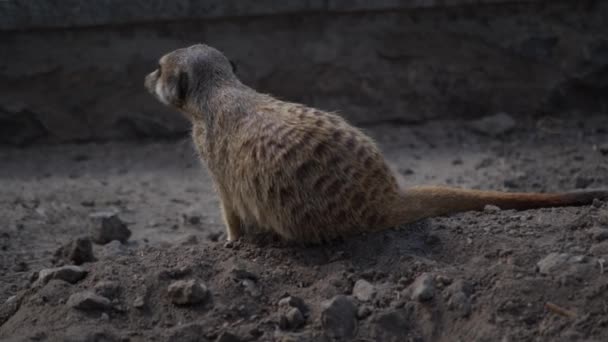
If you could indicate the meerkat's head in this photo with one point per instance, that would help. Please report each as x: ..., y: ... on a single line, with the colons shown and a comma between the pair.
x: 185, y: 77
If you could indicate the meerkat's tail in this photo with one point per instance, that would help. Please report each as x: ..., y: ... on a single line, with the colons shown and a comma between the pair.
x: 428, y: 201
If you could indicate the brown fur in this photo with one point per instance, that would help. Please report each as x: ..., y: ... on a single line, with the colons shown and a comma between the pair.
x: 303, y: 173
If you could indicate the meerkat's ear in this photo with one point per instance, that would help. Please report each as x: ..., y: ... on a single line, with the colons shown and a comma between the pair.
x: 233, y: 66
x: 177, y: 88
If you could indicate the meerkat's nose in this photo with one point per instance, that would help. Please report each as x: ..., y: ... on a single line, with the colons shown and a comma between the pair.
x: 149, y: 82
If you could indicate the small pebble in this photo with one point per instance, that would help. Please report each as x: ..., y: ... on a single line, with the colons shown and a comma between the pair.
x: 71, y: 274
x: 139, y: 302
x: 338, y: 317
x: 107, y: 227
x: 364, y: 290
x: 291, y: 319
x: 187, y: 292
x: 88, y: 301
x: 423, y: 288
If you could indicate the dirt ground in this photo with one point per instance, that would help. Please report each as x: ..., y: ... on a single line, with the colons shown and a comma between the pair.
x: 496, y: 275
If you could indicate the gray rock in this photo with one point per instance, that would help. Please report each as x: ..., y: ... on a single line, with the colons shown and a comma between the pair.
x: 108, y: 289
x: 494, y: 125
x: 251, y: 287
x: 338, y: 317
x: 71, y: 274
x: 393, y: 325
x: 598, y: 234
x: 294, y: 302
x: 139, y: 302
x: 460, y: 302
x: 423, y: 288
x: 187, y: 292
x: 489, y: 208
x: 77, y: 251
x: 291, y: 319
x: 88, y: 301
x: 363, y: 290
x: 552, y: 263
x: 107, y: 227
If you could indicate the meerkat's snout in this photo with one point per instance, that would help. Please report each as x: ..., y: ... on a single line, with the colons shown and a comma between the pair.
x: 153, y: 84
x: 150, y: 81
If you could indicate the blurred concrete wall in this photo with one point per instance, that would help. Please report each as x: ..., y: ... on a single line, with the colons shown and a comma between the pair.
x: 72, y: 70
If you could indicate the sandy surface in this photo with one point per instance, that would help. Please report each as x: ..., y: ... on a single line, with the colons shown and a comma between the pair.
x: 471, y: 276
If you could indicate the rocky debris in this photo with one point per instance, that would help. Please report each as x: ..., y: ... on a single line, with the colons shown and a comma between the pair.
x: 71, y: 274
x: 599, y: 234
x: 494, y: 125
x: 338, y: 317
x: 77, y: 252
x: 187, y: 292
x: 139, y: 302
x: 294, y: 302
x: 552, y: 262
x: 458, y: 296
x: 107, y: 227
x: 292, y: 313
x: 597, y: 203
x: 251, y: 288
x: 489, y: 208
x: 291, y: 318
x: 247, y: 279
x: 363, y: 290
x: 108, y: 289
x: 423, y: 288
x: 89, y: 301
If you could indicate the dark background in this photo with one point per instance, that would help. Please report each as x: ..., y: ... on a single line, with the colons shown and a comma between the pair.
x: 73, y: 70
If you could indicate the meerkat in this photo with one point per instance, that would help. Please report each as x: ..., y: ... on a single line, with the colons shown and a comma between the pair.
x: 302, y: 173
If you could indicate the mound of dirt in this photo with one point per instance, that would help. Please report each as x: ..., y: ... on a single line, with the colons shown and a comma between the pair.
x: 478, y: 276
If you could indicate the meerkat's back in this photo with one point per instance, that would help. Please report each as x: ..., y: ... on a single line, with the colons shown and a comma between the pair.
x: 307, y: 174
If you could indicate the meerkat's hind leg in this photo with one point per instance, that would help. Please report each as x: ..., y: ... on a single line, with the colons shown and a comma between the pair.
x: 234, y: 225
